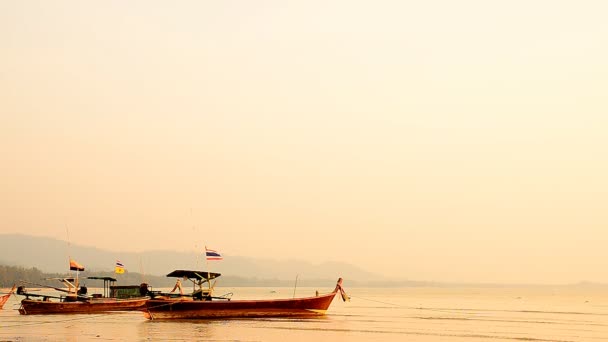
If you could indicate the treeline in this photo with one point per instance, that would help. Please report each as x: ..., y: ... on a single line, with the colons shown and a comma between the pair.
x: 10, y: 275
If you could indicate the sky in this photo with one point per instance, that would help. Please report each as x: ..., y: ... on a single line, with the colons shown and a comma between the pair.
x: 461, y: 141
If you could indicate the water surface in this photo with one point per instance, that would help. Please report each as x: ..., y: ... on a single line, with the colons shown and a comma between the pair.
x: 412, y: 314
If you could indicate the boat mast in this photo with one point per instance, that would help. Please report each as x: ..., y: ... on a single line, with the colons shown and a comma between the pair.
x: 67, y: 233
x: 208, y: 272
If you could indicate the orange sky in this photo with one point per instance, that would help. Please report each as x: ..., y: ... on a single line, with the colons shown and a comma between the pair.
x: 449, y: 141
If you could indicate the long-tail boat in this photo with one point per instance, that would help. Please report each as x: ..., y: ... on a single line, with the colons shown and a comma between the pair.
x: 4, y: 297
x: 201, y: 304
x: 77, y: 301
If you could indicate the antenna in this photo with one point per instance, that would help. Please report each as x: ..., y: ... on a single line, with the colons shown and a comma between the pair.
x: 196, y: 245
x: 67, y: 234
x: 141, y: 269
x: 295, y: 285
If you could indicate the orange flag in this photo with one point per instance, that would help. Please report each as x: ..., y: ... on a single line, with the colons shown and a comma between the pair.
x: 74, y: 266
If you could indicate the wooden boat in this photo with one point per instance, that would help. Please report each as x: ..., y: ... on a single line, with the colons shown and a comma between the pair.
x: 114, y: 298
x: 4, y: 298
x: 41, y: 307
x: 201, y: 304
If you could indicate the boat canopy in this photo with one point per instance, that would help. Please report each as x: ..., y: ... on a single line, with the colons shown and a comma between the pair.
x: 70, y: 279
x: 108, y: 283
x: 194, y: 274
x: 102, y: 278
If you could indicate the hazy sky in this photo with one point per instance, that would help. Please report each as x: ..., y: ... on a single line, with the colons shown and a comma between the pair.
x: 431, y: 140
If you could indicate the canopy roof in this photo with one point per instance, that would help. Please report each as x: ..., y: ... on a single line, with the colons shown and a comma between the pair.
x: 71, y: 279
x: 102, y: 278
x: 193, y: 274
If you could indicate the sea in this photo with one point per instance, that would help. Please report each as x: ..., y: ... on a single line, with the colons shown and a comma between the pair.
x: 542, y: 313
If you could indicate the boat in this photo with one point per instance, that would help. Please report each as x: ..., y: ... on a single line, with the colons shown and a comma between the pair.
x: 74, y: 300
x: 4, y: 297
x: 201, y: 304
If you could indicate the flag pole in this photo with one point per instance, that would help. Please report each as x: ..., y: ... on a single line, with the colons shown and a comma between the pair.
x: 67, y: 235
x: 208, y: 272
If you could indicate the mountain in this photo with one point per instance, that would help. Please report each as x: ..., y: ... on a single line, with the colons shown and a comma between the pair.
x: 51, y: 255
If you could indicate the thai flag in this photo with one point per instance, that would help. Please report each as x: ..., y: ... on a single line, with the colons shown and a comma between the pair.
x: 212, y: 255
x: 120, y: 268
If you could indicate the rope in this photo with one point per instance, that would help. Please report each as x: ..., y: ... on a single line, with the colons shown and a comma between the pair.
x: 407, y: 307
x: 56, y: 321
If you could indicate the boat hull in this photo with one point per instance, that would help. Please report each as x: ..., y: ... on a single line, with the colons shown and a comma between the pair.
x: 39, y: 307
x: 190, y: 309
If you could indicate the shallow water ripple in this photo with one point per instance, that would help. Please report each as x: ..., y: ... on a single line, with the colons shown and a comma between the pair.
x: 412, y: 314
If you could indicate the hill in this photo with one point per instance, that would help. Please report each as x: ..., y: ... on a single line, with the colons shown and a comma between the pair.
x: 51, y: 255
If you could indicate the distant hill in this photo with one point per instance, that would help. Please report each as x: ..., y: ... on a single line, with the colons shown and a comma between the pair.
x: 51, y: 255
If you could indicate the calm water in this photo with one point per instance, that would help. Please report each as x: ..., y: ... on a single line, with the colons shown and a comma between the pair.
x: 409, y: 314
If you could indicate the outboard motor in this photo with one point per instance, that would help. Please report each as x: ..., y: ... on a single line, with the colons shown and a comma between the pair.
x: 143, y: 289
x: 21, y: 290
x: 83, y: 290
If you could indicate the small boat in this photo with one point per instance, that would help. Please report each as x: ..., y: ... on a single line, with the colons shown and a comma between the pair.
x: 4, y: 297
x: 114, y: 298
x: 201, y: 304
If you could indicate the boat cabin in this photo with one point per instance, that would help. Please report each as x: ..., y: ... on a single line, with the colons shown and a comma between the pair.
x: 74, y: 293
x: 111, y: 290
